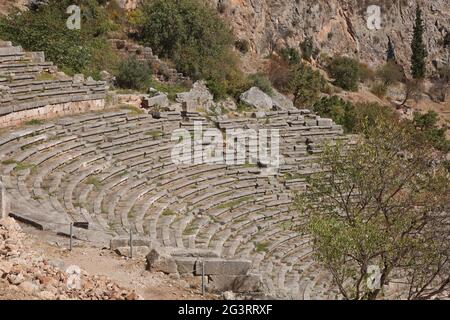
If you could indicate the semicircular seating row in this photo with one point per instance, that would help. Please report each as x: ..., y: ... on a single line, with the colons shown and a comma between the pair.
x: 114, y: 171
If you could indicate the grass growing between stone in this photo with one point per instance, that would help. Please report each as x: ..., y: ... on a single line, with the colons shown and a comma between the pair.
x: 133, y: 110
x: 23, y: 166
x: 170, y: 89
x: 154, y: 133
x: 168, y: 212
x: 94, y: 181
x: 34, y: 122
x: 262, y: 246
x: 234, y: 203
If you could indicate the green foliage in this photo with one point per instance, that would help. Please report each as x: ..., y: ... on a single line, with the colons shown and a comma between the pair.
x: 427, y: 125
x: 133, y: 74
x: 341, y: 111
x: 352, y: 117
x: 305, y: 84
x: 34, y: 122
x: 170, y: 89
x: 75, y: 51
x: 346, y: 72
x: 242, y: 45
x: 372, y: 206
x: 262, y: 82
x: 133, y: 110
x: 290, y: 55
x: 94, y: 181
x: 193, y: 36
x: 419, y: 51
x: 307, y: 47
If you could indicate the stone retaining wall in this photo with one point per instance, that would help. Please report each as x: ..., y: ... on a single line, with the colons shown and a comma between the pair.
x: 52, y: 111
x: 162, y: 70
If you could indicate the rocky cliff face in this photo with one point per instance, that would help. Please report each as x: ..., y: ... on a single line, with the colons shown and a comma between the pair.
x: 339, y: 26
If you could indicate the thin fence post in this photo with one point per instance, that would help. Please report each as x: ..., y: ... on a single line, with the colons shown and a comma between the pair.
x: 203, y: 277
x: 71, y: 236
x: 131, y: 244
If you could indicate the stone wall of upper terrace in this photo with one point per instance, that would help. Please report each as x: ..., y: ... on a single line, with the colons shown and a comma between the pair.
x: 161, y: 69
x: 32, y: 88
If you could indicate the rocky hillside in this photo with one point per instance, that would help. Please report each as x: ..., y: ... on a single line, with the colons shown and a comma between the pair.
x: 338, y: 26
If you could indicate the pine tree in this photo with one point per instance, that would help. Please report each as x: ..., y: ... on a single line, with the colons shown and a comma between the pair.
x: 419, y: 52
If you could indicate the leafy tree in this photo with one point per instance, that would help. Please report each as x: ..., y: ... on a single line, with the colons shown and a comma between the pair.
x: 192, y: 34
x: 290, y: 55
x: 262, y: 82
x: 419, y: 51
x: 341, y: 111
x: 345, y: 72
x: 133, y: 74
x: 305, y: 84
x: 427, y: 125
x: 384, y: 203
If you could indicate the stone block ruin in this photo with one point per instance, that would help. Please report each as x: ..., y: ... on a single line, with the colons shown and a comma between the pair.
x: 110, y: 173
x: 33, y: 89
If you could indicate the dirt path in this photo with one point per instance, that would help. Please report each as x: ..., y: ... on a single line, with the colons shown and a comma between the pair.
x: 128, y: 273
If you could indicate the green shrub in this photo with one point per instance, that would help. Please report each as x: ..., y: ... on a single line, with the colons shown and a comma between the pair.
x: 290, y: 55
x: 341, y: 111
x: 45, y: 29
x: 427, y: 125
x: 242, y: 45
x: 305, y: 84
x: 262, y: 82
x: 307, y: 47
x: 346, y: 72
x: 133, y: 74
x: 352, y: 117
x: 192, y: 34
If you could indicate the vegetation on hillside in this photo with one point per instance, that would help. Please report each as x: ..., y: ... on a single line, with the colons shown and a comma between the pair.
x: 193, y: 36
x: 381, y: 204
x: 419, y: 51
x: 75, y: 51
x: 345, y: 72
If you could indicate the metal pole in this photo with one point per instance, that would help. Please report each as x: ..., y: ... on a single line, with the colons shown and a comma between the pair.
x: 131, y: 244
x: 203, y: 277
x: 71, y: 236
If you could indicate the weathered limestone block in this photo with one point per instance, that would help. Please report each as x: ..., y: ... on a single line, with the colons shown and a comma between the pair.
x: 219, y: 266
x: 185, y: 264
x: 78, y: 78
x: 160, y: 100
x: 257, y: 98
x: 139, y: 251
x: 198, y: 97
x: 281, y: 102
x: 4, y: 202
x: 125, y: 242
x: 323, y: 122
x: 160, y: 260
x: 238, y: 284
